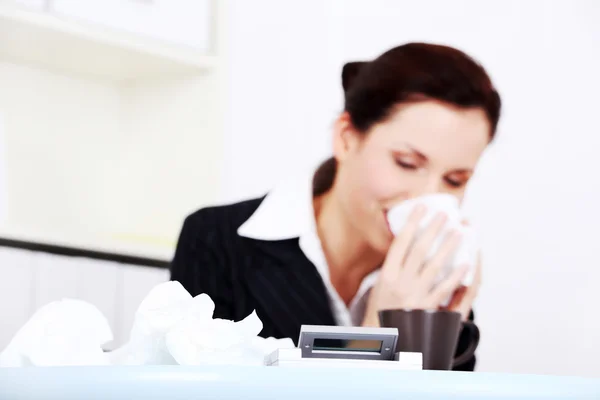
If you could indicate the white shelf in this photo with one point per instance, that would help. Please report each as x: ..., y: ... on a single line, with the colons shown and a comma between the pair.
x: 52, y: 43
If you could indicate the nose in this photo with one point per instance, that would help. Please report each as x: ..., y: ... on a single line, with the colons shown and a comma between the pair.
x: 426, y: 186
x: 431, y: 185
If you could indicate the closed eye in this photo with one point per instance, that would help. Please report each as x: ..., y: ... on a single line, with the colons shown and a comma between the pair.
x: 454, y: 183
x: 406, y: 165
x: 457, y: 182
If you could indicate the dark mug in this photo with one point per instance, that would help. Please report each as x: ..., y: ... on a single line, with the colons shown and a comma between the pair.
x: 433, y: 333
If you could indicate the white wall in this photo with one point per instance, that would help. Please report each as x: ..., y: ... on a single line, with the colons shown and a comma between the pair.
x: 535, y: 195
x: 58, y: 135
x: 283, y: 71
x: 170, y: 144
x: 103, y: 166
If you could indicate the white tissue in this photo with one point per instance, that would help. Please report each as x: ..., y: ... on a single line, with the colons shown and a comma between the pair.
x: 468, y: 250
x: 213, y: 341
x: 199, y: 339
x: 164, y: 306
x: 65, y: 332
x: 171, y: 327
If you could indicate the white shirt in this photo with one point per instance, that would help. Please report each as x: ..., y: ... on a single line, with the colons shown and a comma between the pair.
x: 287, y: 213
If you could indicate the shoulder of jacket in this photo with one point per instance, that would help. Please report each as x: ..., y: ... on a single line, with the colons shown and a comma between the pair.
x: 228, y: 216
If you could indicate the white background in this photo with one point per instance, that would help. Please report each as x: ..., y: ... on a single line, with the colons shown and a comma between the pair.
x: 536, y: 195
x: 534, y: 198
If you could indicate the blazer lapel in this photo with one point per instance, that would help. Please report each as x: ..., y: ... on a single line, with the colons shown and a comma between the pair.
x: 287, y: 288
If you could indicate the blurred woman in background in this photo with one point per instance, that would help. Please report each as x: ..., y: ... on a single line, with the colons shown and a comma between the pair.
x: 319, y: 251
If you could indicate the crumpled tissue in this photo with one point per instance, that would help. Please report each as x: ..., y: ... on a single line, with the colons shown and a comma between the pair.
x: 170, y: 327
x: 159, y: 311
x: 61, y: 333
x: 195, y: 340
x: 467, y: 252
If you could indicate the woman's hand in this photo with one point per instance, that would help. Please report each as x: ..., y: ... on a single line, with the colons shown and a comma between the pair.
x: 463, y: 298
x: 406, y: 280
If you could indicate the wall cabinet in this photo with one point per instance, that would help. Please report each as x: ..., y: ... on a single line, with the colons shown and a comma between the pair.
x: 179, y: 22
x: 37, y: 5
x: 115, y: 40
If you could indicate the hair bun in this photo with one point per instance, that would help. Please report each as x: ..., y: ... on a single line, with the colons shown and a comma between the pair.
x: 349, y: 72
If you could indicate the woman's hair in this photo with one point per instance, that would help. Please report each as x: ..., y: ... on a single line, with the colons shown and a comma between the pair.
x: 408, y: 73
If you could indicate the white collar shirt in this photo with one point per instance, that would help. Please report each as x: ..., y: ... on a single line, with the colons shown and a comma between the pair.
x: 287, y: 213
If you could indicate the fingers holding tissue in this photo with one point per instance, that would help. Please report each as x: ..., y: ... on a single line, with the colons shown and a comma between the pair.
x: 468, y: 250
x: 170, y: 327
x: 463, y: 299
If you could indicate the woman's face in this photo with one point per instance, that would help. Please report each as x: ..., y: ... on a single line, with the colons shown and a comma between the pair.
x: 424, y: 147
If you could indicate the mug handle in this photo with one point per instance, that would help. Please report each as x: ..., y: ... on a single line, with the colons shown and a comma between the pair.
x: 470, y: 351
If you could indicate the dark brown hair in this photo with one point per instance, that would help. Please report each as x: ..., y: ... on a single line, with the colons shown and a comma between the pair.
x: 414, y: 70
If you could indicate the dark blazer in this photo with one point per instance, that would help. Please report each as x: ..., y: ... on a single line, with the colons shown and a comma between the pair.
x: 242, y: 275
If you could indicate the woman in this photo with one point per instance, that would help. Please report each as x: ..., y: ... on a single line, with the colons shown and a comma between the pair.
x: 319, y: 252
